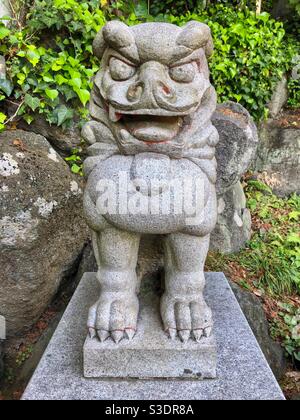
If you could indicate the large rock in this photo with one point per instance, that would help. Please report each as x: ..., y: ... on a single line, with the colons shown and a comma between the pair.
x: 279, y: 98
x: 1, y: 359
x: 64, y: 140
x: 4, y: 8
x: 279, y: 154
x: 2, y: 67
x: 237, y: 146
x: 254, y: 312
x: 233, y: 228
x: 42, y: 231
x: 235, y: 152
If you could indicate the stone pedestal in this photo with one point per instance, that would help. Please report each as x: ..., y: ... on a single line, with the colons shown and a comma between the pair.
x: 151, y: 354
x: 242, y: 370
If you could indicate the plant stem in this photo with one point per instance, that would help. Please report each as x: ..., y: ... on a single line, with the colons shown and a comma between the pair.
x: 258, y: 6
x: 15, y: 114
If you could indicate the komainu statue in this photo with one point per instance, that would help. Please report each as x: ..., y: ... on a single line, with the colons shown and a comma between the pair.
x: 151, y: 170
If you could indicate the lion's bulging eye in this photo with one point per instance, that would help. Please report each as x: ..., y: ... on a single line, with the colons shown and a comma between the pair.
x: 184, y: 73
x: 119, y: 70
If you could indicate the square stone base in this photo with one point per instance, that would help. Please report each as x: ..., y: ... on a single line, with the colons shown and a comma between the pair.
x: 151, y: 354
x: 242, y: 370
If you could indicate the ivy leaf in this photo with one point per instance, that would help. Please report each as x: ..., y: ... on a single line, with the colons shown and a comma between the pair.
x: 4, y: 32
x: 6, y: 86
x: 76, y: 82
x: 2, y: 117
x: 83, y: 95
x: 21, y: 78
x: 52, y: 93
x: 75, y: 169
x: 60, y: 79
x: 32, y: 102
x: 63, y: 114
x: 141, y: 9
x: 28, y: 118
x: 47, y: 78
x: 33, y: 57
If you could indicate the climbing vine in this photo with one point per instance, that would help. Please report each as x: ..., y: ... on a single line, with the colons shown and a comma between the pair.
x: 50, y: 64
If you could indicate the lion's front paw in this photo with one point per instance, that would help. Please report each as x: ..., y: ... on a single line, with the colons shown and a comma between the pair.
x: 186, y: 316
x: 114, y: 316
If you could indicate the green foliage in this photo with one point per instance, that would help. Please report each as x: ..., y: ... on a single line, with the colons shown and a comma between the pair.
x: 294, y: 93
x: 296, y: 5
x: 75, y: 162
x: 51, y: 73
x: 50, y: 62
x: 287, y: 329
x: 24, y: 355
x: 270, y: 264
x: 177, y: 7
x: 274, y: 250
x: 2, y: 120
x: 250, y: 55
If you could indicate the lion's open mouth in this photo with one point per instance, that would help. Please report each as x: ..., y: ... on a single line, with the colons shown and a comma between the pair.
x: 152, y: 128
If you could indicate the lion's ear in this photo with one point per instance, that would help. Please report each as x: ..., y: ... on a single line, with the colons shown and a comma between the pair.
x: 195, y: 35
x: 118, y: 36
x: 99, y: 45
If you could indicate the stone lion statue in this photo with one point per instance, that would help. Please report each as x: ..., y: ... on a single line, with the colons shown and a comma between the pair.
x: 151, y: 109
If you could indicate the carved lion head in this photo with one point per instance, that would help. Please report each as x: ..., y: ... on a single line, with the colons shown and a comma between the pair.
x: 153, y: 78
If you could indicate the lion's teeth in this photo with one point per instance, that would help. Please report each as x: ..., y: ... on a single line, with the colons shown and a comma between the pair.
x: 125, y: 136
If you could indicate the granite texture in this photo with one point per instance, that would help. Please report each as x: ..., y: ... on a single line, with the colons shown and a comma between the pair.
x: 151, y: 170
x: 253, y: 310
x: 4, y: 8
x: 243, y: 373
x: 238, y: 142
x: 279, y: 98
x: 278, y: 156
x: 42, y: 229
x: 233, y: 227
x: 151, y: 354
x: 1, y: 359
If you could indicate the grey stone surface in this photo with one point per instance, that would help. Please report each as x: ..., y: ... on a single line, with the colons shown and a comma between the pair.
x: 1, y: 358
x: 4, y: 8
x: 255, y: 314
x: 243, y: 373
x: 64, y: 140
x: 151, y: 354
x: 279, y: 157
x: 150, y: 263
x: 282, y: 9
x: 237, y: 146
x: 151, y: 110
x: 42, y: 230
x: 279, y: 98
x: 233, y: 227
x: 2, y: 67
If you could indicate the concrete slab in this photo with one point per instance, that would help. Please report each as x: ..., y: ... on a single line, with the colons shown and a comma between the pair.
x: 151, y: 354
x: 242, y: 373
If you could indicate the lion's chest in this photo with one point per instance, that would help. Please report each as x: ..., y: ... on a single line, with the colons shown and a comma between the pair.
x: 149, y: 193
